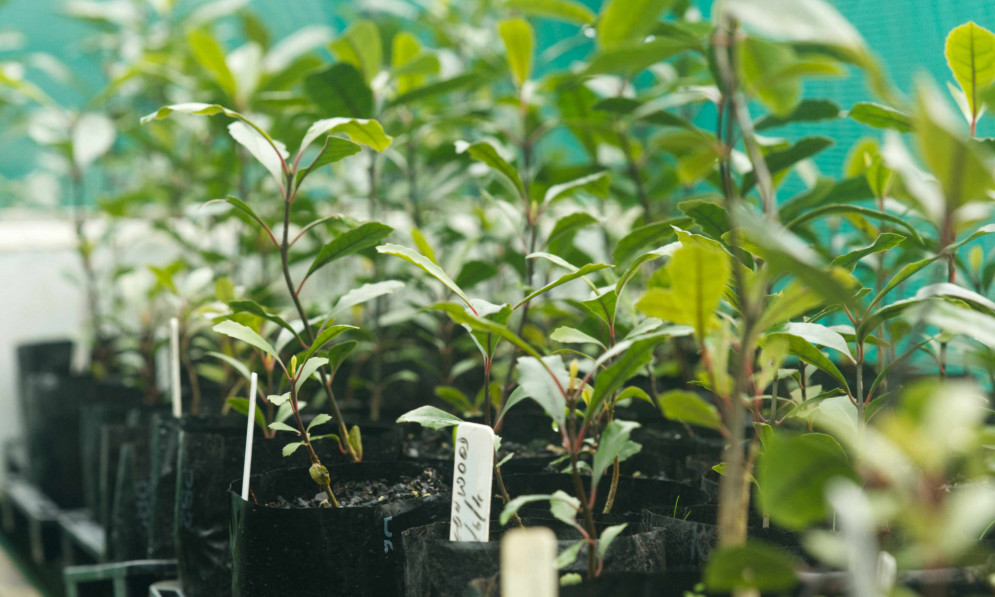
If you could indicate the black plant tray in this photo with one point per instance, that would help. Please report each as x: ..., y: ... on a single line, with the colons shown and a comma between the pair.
x: 30, y: 518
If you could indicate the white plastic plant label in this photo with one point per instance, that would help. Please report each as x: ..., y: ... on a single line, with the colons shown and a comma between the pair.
x: 473, y: 473
x: 528, y: 563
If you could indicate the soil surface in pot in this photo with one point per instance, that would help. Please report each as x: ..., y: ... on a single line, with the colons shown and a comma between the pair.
x: 368, y: 492
x: 438, y: 444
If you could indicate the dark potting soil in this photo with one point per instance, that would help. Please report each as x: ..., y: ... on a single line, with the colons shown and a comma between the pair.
x: 356, y: 493
x: 438, y: 444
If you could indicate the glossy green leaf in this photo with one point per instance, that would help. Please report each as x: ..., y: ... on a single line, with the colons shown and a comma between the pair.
x: 753, y: 566
x: 365, y: 132
x: 804, y: 350
x: 793, y: 473
x: 545, y: 381
x: 319, y: 419
x: 241, y: 405
x: 333, y: 150
x: 431, y: 417
x: 613, y: 440
x: 865, y: 212
x: 625, y: 20
x: 360, y: 238
x: 808, y: 110
x: 308, y: 369
x: 783, y: 159
x: 340, y: 90
x: 360, y: 45
x: 276, y: 426
x: 426, y: 264
x: 245, y: 334
x: 338, y: 353
x: 597, y: 184
x: 210, y: 55
x: 291, y: 448
x: 327, y: 335
x: 483, y: 151
x: 883, y: 242
x: 633, y: 56
x: 519, y: 45
x: 569, y: 335
x: 699, y: 274
x: 569, y: 277
x: 688, y: 407
x: 365, y: 293
x: 970, y: 54
x: 881, y: 117
x: 271, y: 154
x: 562, y: 10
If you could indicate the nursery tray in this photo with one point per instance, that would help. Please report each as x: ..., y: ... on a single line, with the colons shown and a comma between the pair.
x: 166, y: 588
x: 123, y: 579
x: 24, y: 507
x: 81, y: 534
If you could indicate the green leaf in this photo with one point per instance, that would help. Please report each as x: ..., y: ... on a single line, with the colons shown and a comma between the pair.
x: 455, y: 397
x: 624, y: 20
x: 607, y: 536
x: 699, y: 274
x: 569, y: 555
x: 278, y: 400
x: 569, y: 335
x: 545, y: 381
x: 309, y: 368
x: 512, y: 507
x: 709, y: 215
x: 462, y: 316
x: 365, y: 132
x: 291, y: 448
x: 209, y: 54
x: 240, y: 332
x: 334, y: 149
x: 365, y: 293
x: 638, y: 239
x: 613, y: 439
x: 431, y: 417
x: 910, y: 269
x: 580, y: 273
x: 818, y: 335
x: 561, y: 237
x: 276, y: 426
x: 235, y: 364
x: 436, y: 89
x: 338, y: 353
x: 960, y: 165
x: 688, y: 407
x: 244, y: 208
x: 241, y: 405
x: 349, y: 242
x: 247, y: 306
x: 356, y: 440
x: 785, y: 253
x: 519, y: 44
x: 804, y: 350
x: 564, y: 507
x: 631, y: 57
x: 970, y: 54
x: 340, y: 90
x: 562, y: 10
x: 474, y: 272
x: 406, y: 62
x: 809, y: 110
x: 751, y: 566
x: 482, y: 151
x: 785, y: 158
x: 360, y: 45
x: 883, y: 242
x: 597, y: 184
x: 881, y: 117
x: 426, y: 264
x: 319, y: 419
x: 793, y: 473
x: 326, y: 336
x: 797, y: 20
x: 271, y: 154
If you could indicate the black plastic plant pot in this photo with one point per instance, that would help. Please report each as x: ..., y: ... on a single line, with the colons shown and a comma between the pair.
x: 633, y: 496
x: 53, y: 357
x: 439, y: 567
x: 670, y: 452
x: 210, y: 453
x: 692, y: 534
x: 130, y: 515
x: 52, y: 409
x: 316, y: 552
x: 110, y: 404
x: 163, y: 449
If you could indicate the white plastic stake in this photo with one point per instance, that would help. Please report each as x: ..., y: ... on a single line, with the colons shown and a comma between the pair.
x: 473, y: 472
x: 528, y: 563
x: 250, y: 428
x: 174, y: 365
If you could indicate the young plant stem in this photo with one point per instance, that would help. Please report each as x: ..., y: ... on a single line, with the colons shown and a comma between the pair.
x: 733, y: 492
x: 585, y: 506
x: 188, y: 365
x: 309, y: 331
x: 859, y: 397
x: 306, y: 440
x: 99, y: 348
x: 376, y: 395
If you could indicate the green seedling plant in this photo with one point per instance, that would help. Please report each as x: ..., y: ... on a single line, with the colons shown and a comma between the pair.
x: 289, y: 174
